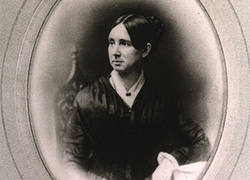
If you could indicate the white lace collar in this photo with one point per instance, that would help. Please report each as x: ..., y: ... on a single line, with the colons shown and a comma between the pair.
x: 127, y: 96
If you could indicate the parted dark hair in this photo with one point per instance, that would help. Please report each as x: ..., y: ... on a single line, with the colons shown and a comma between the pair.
x: 142, y: 30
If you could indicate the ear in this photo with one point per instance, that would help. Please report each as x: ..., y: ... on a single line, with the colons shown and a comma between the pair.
x: 146, y: 50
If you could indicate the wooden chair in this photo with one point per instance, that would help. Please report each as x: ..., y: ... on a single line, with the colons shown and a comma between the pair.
x: 65, y: 98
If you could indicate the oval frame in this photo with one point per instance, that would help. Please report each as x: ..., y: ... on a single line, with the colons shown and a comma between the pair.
x: 20, y: 146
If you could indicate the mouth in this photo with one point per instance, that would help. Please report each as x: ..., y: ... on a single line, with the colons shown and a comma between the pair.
x: 117, y: 61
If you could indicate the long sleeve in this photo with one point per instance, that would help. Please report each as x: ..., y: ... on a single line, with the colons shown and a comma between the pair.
x: 76, y: 148
x: 196, y: 146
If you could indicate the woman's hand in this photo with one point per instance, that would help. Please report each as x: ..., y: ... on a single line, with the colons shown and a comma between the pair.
x: 74, y: 172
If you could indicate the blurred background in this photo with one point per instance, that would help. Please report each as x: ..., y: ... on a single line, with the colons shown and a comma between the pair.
x: 189, y: 59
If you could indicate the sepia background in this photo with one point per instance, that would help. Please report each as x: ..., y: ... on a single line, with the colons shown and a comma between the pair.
x: 190, y: 57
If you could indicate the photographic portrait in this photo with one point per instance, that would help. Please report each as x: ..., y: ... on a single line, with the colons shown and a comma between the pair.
x: 78, y: 52
x: 124, y: 90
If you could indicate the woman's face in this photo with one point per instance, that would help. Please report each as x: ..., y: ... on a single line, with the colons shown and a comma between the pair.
x: 123, y: 56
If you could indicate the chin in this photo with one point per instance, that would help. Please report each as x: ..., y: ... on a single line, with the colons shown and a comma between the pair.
x: 119, y: 69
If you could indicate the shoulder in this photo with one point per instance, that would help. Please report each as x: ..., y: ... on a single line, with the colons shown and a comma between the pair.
x: 164, y: 96
x: 89, y: 95
x: 157, y: 89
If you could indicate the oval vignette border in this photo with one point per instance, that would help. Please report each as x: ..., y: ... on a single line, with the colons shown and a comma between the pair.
x: 24, y: 26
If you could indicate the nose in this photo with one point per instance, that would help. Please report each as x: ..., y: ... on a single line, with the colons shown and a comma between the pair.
x: 117, y: 52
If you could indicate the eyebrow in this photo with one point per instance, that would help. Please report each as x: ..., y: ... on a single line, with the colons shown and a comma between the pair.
x: 120, y: 40
x: 109, y: 39
x: 125, y: 41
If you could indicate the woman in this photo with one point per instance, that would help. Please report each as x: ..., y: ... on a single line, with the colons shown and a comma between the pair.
x: 125, y: 126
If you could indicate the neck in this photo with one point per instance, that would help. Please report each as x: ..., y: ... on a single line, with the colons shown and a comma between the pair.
x: 129, y: 79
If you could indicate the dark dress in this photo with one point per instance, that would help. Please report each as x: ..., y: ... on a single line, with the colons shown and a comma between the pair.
x: 110, y: 139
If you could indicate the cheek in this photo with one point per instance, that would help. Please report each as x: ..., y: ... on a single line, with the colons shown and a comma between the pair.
x: 130, y: 53
x: 136, y: 56
x: 109, y: 51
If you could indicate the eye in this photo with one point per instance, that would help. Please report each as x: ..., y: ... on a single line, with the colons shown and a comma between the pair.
x: 111, y: 42
x: 125, y: 43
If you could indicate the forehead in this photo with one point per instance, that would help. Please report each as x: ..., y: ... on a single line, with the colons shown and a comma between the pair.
x: 119, y: 32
